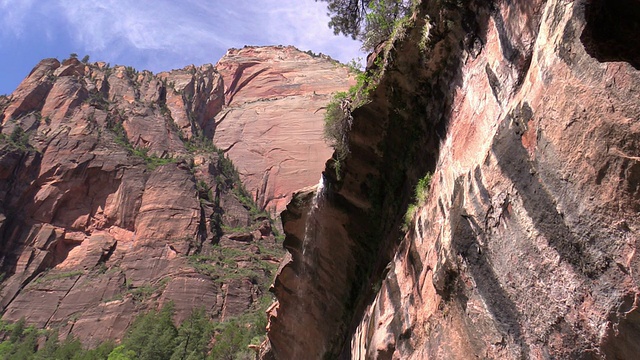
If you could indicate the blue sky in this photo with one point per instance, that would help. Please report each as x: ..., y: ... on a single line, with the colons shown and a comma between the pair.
x: 157, y: 35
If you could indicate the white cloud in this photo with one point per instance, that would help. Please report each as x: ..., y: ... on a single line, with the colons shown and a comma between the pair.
x: 13, y: 13
x: 304, y: 24
x: 169, y: 33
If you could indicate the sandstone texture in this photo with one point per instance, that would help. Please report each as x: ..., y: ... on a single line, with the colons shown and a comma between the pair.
x: 527, y: 116
x: 272, y: 123
x: 114, y: 200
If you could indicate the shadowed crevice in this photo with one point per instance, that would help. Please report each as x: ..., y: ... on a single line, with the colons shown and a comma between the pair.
x: 611, y: 31
x: 623, y: 332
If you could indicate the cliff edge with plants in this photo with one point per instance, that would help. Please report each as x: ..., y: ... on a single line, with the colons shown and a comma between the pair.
x: 519, y: 120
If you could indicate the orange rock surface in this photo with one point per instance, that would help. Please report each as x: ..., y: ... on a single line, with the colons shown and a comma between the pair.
x: 110, y: 185
x: 272, y: 123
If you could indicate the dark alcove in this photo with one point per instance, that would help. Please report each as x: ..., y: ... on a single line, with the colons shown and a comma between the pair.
x: 612, y: 32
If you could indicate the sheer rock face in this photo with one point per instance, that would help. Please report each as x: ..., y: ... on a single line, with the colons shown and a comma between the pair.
x: 272, y: 123
x: 105, y: 193
x: 527, y: 115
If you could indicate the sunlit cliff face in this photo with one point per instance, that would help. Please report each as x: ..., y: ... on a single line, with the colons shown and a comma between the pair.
x: 525, y: 247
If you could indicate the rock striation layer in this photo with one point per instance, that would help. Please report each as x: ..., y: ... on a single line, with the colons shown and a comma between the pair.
x: 114, y: 200
x: 272, y: 123
x: 526, y: 115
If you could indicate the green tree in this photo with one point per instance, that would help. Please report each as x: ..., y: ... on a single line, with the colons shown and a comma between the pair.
x: 6, y: 348
x: 232, y: 340
x: 380, y: 20
x: 48, y: 351
x: 19, y: 138
x: 121, y: 353
x: 70, y: 349
x: 347, y: 16
x: 17, y: 330
x: 100, y: 353
x: 152, y: 336
x: 194, y: 336
x: 369, y: 21
x: 26, y: 346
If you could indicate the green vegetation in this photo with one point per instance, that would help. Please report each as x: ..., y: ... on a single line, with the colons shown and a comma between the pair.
x: 18, y: 139
x: 382, y: 20
x: 142, y: 293
x: 377, y: 20
x: 145, y: 291
x: 201, y: 144
x: 227, y: 176
x: 370, y: 21
x: 131, y: 72
x: 355, y: 65
x: 221, y: 265
x: 426, y: 34
x: 152, y: 336
x: 153, y: 161
x: 194, y: 337
x: 312, y: 54
x: 234, y: 336
x: 337, y: 123
x: 420, y: 196
x: 338, y: 118
x: 97, y: 99
x: 21, y: 342
x: 57, y: 276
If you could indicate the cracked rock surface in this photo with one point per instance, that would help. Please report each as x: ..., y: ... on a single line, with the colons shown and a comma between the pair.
x: 272, y: 123
x: 113, y: 200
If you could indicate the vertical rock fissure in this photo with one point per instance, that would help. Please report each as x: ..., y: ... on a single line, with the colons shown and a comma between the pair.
x: 307, y: 257
x: 61, y: 299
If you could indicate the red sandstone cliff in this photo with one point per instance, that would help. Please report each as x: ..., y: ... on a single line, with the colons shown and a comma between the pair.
x: 272, y: 123
x: 113, y: 199
x: 527, y: 115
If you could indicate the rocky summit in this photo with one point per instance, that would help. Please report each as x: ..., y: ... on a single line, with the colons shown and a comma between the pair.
x: 123, y: 191
x: 271, y: 124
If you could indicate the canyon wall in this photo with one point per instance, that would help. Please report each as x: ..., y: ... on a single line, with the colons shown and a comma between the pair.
x: 272, y: 123
x: 115, y: 200
x: 525, y: 115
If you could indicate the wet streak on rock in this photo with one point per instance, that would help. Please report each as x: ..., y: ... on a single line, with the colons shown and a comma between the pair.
x: 540, y: 205
x: 18, y: 191
x: 395, y: 139
x: 428, y: 103
x: 494, y: 83
x: 503, y: 310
